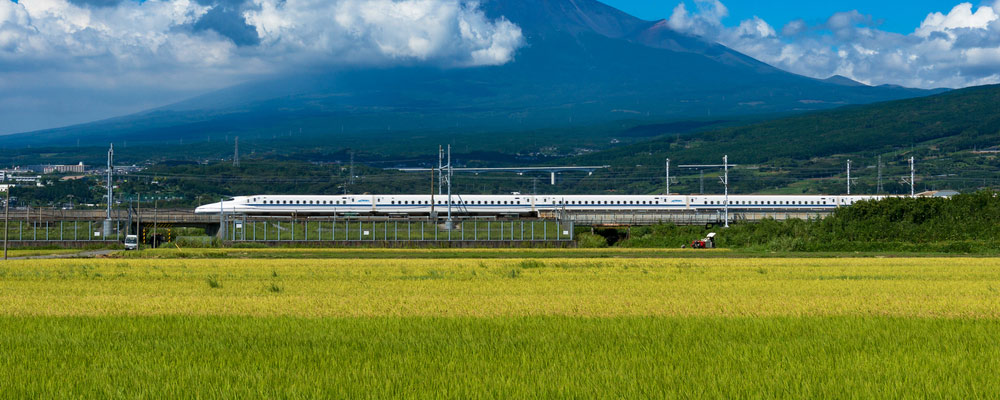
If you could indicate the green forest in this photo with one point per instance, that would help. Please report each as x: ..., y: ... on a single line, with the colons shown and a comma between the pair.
x: 967, y: 223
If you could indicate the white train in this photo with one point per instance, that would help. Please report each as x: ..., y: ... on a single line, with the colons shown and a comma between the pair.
x: 378, y: 204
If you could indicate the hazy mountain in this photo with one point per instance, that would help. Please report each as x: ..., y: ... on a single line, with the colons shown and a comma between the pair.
x: 584, y: 62
x: 843, y: 80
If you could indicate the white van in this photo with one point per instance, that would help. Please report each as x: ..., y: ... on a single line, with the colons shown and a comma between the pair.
x: 131, y: 242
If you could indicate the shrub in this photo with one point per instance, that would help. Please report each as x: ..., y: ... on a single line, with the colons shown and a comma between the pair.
x: 591, y: 241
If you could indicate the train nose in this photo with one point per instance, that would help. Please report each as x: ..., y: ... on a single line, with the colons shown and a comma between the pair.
x: 213, y: 208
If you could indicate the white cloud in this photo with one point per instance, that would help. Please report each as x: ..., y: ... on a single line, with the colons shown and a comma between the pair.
x: 960, y: 17
x: 706, y: 21
x: 445, y: 31
x: 157, y: 48
x: 957, y: 49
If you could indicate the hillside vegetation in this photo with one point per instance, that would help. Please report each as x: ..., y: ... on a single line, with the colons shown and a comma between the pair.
x: 968, y: 223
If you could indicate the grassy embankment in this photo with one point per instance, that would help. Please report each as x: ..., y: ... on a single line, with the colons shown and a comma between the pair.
x: 500, y: 328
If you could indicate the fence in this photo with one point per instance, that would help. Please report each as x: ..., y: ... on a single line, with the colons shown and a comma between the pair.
x: 685, y: 218
x: 61, y: 231
x: 324, y: 229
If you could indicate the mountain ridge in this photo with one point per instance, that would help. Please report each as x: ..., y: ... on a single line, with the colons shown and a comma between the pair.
x: 583, y: 62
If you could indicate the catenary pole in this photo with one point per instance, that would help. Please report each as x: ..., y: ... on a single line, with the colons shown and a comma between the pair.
x: 725, y: 164
x: 668, y: 177
x: 912, y: 178
x: 449, y: 188
x: 6, y: 218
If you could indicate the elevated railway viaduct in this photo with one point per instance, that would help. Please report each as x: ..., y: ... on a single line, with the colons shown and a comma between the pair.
x: 41, y: 226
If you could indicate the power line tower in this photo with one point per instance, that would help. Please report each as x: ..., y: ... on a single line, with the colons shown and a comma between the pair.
x: 450, y: 224
x: 668, y: 177
x: 440, y: 170
x: 848, y: 177
x: 236, y: 153
x: 878, y: 188
x: 111, y: 171
x: 725, y: 181
x: 912, y: 177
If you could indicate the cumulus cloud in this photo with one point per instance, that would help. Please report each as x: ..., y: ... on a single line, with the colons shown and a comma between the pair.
x: 448, y: 32
x: 129, y: 55
x: 955, y: 49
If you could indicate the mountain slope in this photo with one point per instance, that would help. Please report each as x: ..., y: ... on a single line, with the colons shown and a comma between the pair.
x: 957, y: 121
x: 584, y: 63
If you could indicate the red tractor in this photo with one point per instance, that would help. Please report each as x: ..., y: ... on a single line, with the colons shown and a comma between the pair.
x: 707, y: 243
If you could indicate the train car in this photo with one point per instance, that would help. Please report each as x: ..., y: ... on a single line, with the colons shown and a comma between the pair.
x: 515, y: 204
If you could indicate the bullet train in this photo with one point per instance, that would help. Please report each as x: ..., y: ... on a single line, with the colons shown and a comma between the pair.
x: 378, y: 204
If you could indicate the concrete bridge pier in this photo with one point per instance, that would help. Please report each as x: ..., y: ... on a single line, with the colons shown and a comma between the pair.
x: 213, y: 230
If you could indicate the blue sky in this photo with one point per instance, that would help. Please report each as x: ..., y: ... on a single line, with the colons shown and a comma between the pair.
x: 895, y: 16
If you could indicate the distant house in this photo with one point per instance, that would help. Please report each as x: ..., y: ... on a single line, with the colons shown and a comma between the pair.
x: 62, y: 169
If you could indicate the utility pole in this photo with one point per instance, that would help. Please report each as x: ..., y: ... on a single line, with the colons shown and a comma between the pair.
x: 848, y: 177
x: 450, y: 224
x: 725, y: 163
x: 878, y: 189
x: 155, y: 209
x: 668, y: 177
x: 222, y: 219
x: 111, y: 171
x: 912, y: 178
x: 440, y: 170
x: 236, y: 153
x: 6, y: 218
x: 433, y: 215
x: 138, y: 217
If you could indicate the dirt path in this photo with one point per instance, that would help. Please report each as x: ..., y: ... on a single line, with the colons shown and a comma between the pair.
x: 82, y: 254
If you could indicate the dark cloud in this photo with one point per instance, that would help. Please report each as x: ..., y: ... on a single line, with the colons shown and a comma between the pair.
x: 228, y: 22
